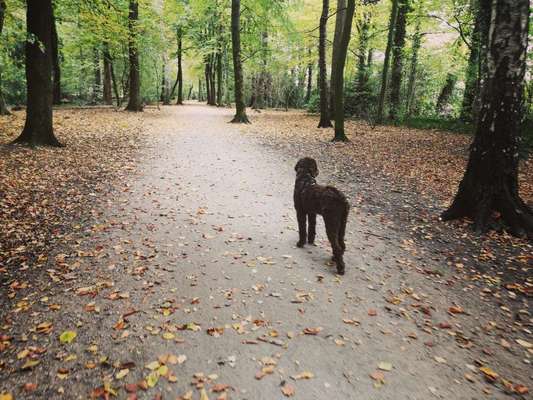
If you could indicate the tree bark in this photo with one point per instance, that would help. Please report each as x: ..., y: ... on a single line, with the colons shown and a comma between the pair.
x: 180, y: 67
x: 219, y: 79
x: 108, y: 95
x: 445, y: 94
x: 397, y: 59
x: 340, y: 62
x: 240, y: 112
x: 490, y: 182
x: 56, y: 77
x: 309, y: 78
x: 340, y: 17
x: 415, y: 48
x: 3, y: 106
x: 385, y: 72
x: 97, y: 76
x: 165, y: 85
x: 38, y: 128
x: 325, y: 121
x: 135, y: 102
x: 362, y: 66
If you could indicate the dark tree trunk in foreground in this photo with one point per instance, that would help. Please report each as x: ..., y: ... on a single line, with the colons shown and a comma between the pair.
x: 325, y: 122
x: 3, y: 107
x: 108, y: 96
x: 135, y: 102
x: 338, y: 84
x: 340, y: 17
x: 56, y: 77
x: 446, y: 93
x: 397, y: 59
x: 490, y: 182
x: 38, y: 129
x: 385, y: 72
x: 240, y: 113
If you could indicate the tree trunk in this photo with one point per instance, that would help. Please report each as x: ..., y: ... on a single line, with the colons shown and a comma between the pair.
x: 219, y: 79
x: 56, y: 77
x: 340, y: 17
x: 240, y: 113
x: 3, y: 106
x: 108, y: 95
x: 97, y: 76
x: 135, y: 102
x: 362, y: 66
x: 445, y: 94
x: 397, y: 59
x: 180, y: 68
x: 325, y: 121
x: 166, y: 84
x: 190, y: 91
x: 38, y: 129
x: 340, y: 62
x: 490, y: 182
x: 385, y: 72
x: 415, y: 48
x: 309, y: 78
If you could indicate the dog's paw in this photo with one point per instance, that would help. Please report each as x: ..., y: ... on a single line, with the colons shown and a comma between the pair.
x: 300, y: 244
x: 311, y: 242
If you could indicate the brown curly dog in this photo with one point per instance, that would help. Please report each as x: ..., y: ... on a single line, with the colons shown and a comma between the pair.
x: 311, y: 199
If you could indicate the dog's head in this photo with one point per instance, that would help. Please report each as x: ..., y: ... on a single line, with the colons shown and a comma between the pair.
x: 307, y: 164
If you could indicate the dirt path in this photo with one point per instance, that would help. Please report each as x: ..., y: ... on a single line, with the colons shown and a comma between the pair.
x: 196, y: 258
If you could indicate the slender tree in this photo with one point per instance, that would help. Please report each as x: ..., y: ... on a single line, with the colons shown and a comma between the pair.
x: 107, y: 90
x: 415, y: 48
x: 339, y: 73
x: 385, y: 72
x: 135, y: 102
x: 446, y: 93
x: 340, y: 17
x: 309, y: 78
x: 38, y: 128
x: 240, y: 112
x: 3, y: 107
x: 397, y: 58
x: 325, y: 121
x: 180, y: 67
x: 490, y: 182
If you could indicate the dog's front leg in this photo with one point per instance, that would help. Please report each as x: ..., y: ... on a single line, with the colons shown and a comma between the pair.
x: 312, y: 228
x: 301, y: 228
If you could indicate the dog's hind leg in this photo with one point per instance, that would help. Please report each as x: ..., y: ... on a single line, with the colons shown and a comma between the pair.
x: 311, y: 229
x: 342, y: 230
x: 301, y: 216
x: 332, y: 223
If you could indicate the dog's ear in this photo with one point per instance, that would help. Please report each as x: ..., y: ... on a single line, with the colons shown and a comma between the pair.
x: 315, y: 168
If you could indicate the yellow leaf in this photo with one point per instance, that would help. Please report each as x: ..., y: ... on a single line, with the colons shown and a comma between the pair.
x: 6, y: 396
x: 168, y: 336
x: 30, y: 364
x: 152, y: 378
x: 122, y: 373
x: 203, y: 394
x: 303, y: 375
x: 67, y: 337
x: 163, y: 370
x: 153, y: 365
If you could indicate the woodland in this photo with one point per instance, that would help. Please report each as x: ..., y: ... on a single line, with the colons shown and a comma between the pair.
x: 420, y: 110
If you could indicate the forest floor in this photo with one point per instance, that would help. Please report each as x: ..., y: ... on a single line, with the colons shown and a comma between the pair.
x: 154, y: 257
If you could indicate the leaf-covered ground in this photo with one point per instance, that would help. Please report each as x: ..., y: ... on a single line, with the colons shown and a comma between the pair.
x: 154, y: 258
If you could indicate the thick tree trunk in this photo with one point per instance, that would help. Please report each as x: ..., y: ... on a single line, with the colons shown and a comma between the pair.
x: 340, y: 17
x: 108, y: 95
x: 339, y: 73
x: 240, y: 113
x: 38, y: 129
x: 3, y: 106
x: 56, y: 77
x: 325, y: 121
x: 415, y: 48
x: 446, y: 93
x: 219, y: 79
x: 490, y: 182
x: 385, y: 72
x: 135, y: 102
x: 397, y: 59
